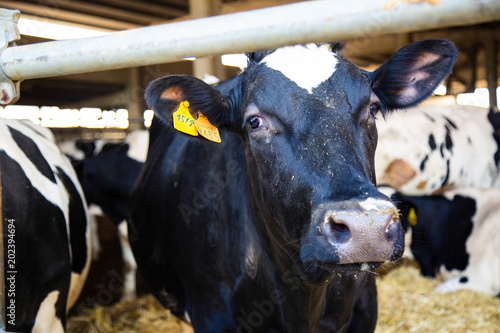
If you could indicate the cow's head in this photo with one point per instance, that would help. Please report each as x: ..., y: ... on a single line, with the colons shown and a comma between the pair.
x: 306, y: 117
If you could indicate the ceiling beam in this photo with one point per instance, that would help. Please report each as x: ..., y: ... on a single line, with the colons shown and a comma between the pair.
x: 66, y: 15
x: 164, y: 11
x: 108, y: 12
x: 178, y: 3
x: 244, y: 5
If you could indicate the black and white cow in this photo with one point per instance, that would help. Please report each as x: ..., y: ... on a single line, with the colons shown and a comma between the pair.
x: 430, y: 149
x: 46, y: 234
x: 454, y: 237
x: 277, y: 227
x: 107, y: 170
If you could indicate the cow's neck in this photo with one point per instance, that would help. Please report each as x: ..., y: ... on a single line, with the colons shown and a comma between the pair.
x: 302, y: 303
x: 308, y: 299
x: 295, y: 291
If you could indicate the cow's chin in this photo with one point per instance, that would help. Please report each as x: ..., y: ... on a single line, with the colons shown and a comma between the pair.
x: 321, y: 273
x: 351, y: 268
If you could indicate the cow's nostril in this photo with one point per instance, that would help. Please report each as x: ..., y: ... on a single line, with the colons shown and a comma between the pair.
x: 339, y: 226
x: 337, y: 230
x: 392, y: 229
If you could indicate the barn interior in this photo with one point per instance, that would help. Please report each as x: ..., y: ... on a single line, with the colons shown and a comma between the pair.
x: 114, y: 99
x: 475, y: 73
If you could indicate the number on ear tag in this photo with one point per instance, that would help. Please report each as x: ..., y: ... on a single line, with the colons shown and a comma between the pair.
x: 206, y: 129
x: 183, y: 121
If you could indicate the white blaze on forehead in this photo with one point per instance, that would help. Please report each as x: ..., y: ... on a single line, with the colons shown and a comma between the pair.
x: 308, y: 65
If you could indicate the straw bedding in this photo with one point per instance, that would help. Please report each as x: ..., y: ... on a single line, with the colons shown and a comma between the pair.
x: 407, y: 303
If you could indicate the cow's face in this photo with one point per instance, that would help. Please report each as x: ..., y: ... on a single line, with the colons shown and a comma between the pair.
x: 307, y: 119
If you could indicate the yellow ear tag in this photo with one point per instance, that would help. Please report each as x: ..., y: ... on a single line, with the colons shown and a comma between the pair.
x: 183, y: 121
x: 412, y: 217
x: 206, y: 129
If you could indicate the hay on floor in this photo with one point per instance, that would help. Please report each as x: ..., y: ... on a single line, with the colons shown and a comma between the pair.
x: 408, y: 303
x: 144, y: 315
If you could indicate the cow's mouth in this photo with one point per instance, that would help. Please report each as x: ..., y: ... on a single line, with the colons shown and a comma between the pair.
x: 321, y: 272
x: 351, y: 268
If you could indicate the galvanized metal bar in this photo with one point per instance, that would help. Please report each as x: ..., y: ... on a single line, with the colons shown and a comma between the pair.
x: 9, y: 90
x: 312, y: 21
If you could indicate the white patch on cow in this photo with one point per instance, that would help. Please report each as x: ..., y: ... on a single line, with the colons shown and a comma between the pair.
x: 46, y: 320
x: 405, y: 136
x: 408, y: 234
x: 186, y: 315
x: 138, y: 142
x: 94, y: 211
x: 308, y: 65
x: 78, y: 280
x: 386, y: 190
x: 69, y: 148
x: 99, y: 145
x: 129, y: 290
x: 50, y: 190
x: 41, y: 130
x: 77, y: 283
x: 365, y: 267
x: 483, y: 246
x: 376, y: 204
x: 54, y: 192
x: 408, y: 237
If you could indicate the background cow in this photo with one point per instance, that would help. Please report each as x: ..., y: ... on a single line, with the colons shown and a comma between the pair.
x: 46, y: 233
x: 454, y: 237
x: 433, y: 148
x: 107, y: 171
x: 277, y: 227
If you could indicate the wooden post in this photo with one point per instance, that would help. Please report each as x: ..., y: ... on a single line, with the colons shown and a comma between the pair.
x: 492, y: 69
x: 135, y: 104
x: 199, y: 9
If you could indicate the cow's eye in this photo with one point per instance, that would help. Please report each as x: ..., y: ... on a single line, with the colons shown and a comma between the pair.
x: 255, y: 122
x: 374, y: 109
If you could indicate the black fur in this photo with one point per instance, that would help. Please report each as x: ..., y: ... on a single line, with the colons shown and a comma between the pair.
x: 398, y: 74
x: 224, y: 229
x: 201, y: 97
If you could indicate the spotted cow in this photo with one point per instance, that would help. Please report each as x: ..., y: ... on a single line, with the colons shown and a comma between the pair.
x: 431, y: 149
x: 454, y: 237
x: 278, y: 227
x: 107, y: 170
x: 46, y: 238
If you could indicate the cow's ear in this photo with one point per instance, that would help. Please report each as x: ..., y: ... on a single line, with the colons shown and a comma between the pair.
x: 165, y: 94
x: 413, y: 73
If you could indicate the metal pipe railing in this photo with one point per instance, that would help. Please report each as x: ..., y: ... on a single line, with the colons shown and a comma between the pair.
x: 312, y: 21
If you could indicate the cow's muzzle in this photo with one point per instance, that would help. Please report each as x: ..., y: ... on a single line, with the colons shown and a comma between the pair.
x: 358, y: 232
